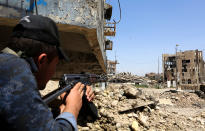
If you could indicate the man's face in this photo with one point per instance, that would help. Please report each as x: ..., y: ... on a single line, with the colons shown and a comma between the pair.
x: 46, y: 71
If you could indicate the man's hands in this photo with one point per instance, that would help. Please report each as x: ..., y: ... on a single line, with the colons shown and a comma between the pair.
x: 74, y: 99
x: 89, y: 93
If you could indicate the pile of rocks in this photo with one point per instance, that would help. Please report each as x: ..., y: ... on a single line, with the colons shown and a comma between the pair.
x: 126, y: 77
x: 124, y: 107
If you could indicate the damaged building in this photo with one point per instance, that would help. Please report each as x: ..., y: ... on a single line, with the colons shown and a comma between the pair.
x: 83, y: 27
x: 184, y: 69
x: 111, y: 67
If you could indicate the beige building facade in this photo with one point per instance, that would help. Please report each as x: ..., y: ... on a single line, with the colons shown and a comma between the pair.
x: 184, y: 69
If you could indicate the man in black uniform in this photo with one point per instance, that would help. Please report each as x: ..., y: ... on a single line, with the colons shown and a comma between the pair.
x: 26, y: 65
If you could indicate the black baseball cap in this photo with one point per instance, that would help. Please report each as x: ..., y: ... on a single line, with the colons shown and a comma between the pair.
x: 39, y: 28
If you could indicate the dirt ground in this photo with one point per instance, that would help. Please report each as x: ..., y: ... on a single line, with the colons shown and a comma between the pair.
x: 123, y: 107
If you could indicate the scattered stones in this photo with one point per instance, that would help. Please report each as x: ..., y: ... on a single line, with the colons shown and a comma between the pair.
x: 131, y: 92
x: 118, y: 125
x: 114, y: 103
x: 124, y: 78
x: 85, y: 129
x: 128, y: 78
x: 143, y: 120
x: 165, y: 101
x: 123, y: 107
x: 135, y: 126
x: 98, y: 91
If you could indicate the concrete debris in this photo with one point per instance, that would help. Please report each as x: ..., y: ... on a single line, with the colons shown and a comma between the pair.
x: 135, y: 126
x: 143, y: 120
x: 124, y: 77
x: 165, y: 101
x: 147, y: 105
x: 127, y: 77
x: 130, y: 92
x: 147, y: 109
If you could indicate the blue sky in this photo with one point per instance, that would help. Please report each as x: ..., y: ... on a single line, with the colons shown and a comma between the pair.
x: 149, y: 28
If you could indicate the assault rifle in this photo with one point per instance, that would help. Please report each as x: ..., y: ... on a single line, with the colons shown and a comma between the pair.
x: 68, y: 81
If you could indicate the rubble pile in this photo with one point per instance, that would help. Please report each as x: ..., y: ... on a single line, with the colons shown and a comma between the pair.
x: 124, y: 107
x: 183, y: 99
x: 126, y: 77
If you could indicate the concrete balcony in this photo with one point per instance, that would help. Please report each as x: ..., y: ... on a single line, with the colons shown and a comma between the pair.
x: 110, y: 29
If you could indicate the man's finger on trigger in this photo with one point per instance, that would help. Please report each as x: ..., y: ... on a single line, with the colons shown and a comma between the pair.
x: 62, y: 95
